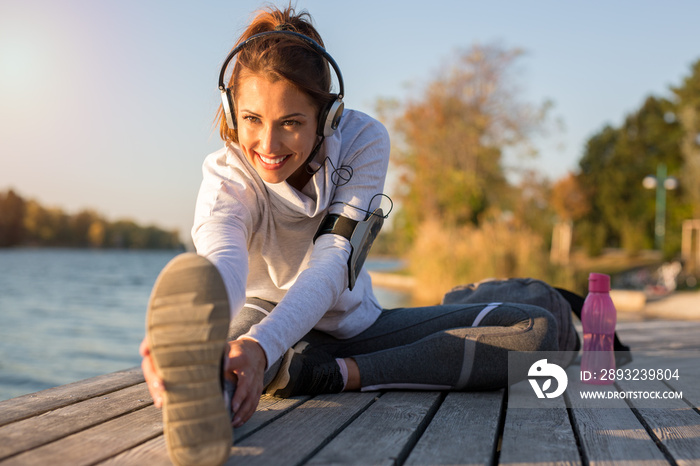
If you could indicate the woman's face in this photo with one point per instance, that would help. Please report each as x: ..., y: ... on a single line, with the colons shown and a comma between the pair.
x: 276, y: 126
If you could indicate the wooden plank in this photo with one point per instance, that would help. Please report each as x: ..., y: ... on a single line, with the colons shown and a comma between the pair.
x: 689, y: 386
x: 151, y: 453
x: 687, y: 365
x: 52, y: 425
x: 154, y: 451
x: 296, y: 436
x: 540, y: 434
x: 269, y: 409
x: 33, y: 404
x: 463, y: 431
x: 96, y: 443
x: 610, y: 434
x: 384, y: 433
x: 675, y: 425
x: 660, y: 334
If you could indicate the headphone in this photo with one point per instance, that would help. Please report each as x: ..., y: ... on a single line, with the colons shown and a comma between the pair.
x: 328, y: 118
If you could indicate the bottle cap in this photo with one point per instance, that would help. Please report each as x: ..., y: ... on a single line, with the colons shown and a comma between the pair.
x: 599, y: 283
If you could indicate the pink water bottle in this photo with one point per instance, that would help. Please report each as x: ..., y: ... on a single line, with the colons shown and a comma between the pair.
x: 598, y: 318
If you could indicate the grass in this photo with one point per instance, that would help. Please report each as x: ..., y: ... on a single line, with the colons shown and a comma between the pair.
x: 442, y: 258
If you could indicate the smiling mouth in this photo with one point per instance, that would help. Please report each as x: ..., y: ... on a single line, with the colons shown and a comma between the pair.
x: 273, y: 162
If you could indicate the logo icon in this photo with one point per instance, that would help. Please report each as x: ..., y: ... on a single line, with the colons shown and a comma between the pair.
x: 541, y: 369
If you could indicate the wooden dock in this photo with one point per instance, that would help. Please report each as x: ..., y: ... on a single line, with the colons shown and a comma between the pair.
x: 111, y: 420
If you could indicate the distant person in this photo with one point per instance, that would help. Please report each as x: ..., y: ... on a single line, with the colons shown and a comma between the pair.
x: 276, y: 298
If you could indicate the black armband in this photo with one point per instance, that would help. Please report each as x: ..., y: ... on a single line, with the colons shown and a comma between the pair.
x: 361, y: 235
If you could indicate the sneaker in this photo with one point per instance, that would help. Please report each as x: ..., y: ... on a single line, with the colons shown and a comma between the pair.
x: 306, y: 373
x: 187, y: 325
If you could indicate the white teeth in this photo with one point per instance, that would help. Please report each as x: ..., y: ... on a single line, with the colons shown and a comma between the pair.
x: 273, y: 161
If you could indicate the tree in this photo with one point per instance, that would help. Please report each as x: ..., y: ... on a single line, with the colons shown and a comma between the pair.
x: 530, y: 206
x: 96, y: 233
x: 450, y: 139
x: 29, y: 223
x: 458, y: 214
x: 568, y: 199
x: 688, y: 112
x: 613, y: 167
x: 12, y: 208
x: 81, y: 225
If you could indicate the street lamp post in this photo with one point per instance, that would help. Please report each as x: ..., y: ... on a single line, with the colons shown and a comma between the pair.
x: 662, y: 183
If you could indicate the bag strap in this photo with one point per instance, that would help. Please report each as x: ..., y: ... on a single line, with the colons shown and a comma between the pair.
x: 623, y: 354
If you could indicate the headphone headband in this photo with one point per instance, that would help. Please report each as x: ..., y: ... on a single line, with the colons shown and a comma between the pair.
x: 314, y: 45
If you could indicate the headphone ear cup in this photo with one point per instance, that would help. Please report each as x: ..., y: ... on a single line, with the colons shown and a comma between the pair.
x: 330, y: 118
x: 227, y: 104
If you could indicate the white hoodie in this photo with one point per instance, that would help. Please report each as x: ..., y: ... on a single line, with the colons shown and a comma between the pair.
x: 260, y: 236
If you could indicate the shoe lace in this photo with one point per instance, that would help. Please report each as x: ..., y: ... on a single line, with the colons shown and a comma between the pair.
x: 321, y: 373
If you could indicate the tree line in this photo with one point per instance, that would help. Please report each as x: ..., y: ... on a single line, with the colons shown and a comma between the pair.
x: 25, y: 222
x: 461, y: 218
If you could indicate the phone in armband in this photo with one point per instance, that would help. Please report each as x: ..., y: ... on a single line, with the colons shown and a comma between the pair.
x: 361, y: 235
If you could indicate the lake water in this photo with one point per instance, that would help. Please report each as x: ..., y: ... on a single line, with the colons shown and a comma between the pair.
x: 66, y: 315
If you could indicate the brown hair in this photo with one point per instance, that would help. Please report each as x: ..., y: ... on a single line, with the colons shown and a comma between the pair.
x: 280, y: 57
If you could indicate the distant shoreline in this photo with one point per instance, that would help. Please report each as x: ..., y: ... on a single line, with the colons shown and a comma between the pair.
x: 25, y: 247
x: 392, y: 280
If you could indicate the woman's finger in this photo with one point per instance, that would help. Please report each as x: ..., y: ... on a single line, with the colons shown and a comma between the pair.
x: 240, y: 395
x: 246, y: 360
x: 246, y: 398
x: 247, y: 408
x: 143, y: 348
x: 246, y: 404
x: 153, y: 382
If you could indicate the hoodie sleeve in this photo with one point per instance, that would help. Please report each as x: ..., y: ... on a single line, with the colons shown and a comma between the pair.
x: 223, y: 222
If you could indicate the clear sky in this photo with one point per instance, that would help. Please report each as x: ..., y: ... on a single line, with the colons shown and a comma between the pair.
x: 109, y: 104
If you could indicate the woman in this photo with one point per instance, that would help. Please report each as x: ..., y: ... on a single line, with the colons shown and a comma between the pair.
x: 294, y: 167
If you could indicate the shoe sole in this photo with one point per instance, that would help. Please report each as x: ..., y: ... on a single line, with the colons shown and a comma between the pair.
x: 187, y: 326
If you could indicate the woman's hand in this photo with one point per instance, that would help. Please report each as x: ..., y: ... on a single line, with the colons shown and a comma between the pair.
x: 153, y: 382
x: 247, y: 361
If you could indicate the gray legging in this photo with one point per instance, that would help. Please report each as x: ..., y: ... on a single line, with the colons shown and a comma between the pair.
x: 445, y: 347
